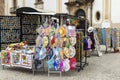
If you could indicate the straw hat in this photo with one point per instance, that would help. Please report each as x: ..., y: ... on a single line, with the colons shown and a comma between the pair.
x: 66, y: 65
x: 73, y: 41
x: 45, y: 41
x: 73, y: 63
x: 72, y: 51
x: 66, y: 52
x: 71, y: 31
x: 62, y: 31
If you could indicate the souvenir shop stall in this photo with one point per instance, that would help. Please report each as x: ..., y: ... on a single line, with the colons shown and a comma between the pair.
x: 43, y: 40
x: 16, y: 41
x: 110, y: 38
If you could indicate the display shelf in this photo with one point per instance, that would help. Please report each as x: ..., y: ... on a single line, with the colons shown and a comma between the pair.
x: 10, y: 36
x: 29, y: 24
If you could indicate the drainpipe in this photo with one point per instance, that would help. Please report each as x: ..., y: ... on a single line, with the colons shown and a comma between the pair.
x: 91, y: 13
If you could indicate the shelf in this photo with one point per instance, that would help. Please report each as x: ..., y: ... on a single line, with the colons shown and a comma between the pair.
x: 9, y: 29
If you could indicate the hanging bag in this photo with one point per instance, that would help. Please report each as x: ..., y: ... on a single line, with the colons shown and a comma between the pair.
x: 51, y: 62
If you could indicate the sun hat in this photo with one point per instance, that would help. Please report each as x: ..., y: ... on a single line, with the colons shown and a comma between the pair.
x: 66, y: 65
x: 71, y: 31
x: 73, y: 63
x: 90, y: 29
x: 66, y: 52
x: 45, y: 41
x: 72, y: 51
x: 62, y: 31
x: 73, y: 40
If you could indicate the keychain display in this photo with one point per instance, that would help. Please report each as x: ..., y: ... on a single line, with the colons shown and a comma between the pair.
x: 29, y: 38
x: 10, y: 36
x: 29, y: 26
x: 10, y: 22
x: 4, y: 46
x: 9, y: 30
x: 29, y: 29
x: 29, y: 19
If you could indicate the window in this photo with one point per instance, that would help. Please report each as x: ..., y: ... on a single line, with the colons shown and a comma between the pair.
x: 97, y: 15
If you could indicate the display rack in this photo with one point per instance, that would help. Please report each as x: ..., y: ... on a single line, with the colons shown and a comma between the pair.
x: 9, y: 30
x: 24, y: 27
x: 81, y: 54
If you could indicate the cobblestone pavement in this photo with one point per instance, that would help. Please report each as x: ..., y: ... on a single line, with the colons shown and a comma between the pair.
x: 106, y: 67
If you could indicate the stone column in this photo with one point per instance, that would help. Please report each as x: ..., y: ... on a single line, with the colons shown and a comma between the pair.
x: 89, y: 14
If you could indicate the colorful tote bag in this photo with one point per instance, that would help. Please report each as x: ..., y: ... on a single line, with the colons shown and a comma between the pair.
x: 50, y: 62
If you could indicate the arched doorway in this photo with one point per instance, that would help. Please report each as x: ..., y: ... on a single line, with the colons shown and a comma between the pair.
x: 80, y: 13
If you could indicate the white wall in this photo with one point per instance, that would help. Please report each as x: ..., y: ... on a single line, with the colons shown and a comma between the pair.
x: 50, y: 5
x: 7, y: 7
x: 64, y: 7
x: 115, y: 11
x: 97, y: 6
x: 30, y: 3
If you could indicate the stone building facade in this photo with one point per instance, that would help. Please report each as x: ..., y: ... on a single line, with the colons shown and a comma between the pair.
x: 1, y: 7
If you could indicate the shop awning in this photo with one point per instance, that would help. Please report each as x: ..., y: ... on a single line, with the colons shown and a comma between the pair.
x: 29, y: 10
x: 38, y: 13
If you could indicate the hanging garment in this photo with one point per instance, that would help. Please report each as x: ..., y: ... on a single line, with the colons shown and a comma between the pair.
x: 89, y: 43
x: 79, y: 45
x: 117, y: 34
x: 104, y: 36
x: 93, y: 40
x: 85, y: 44
x: 113, y: 37
x: 108, y: 37
x: 99, y: 33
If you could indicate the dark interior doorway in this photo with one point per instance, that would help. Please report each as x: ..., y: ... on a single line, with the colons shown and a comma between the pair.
x: 80, y: 13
